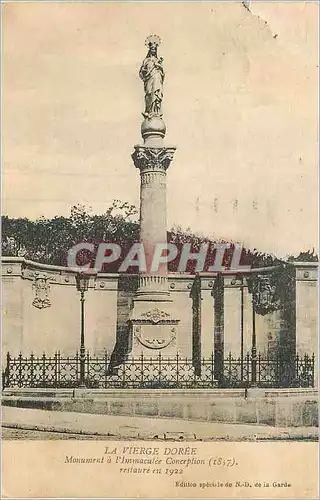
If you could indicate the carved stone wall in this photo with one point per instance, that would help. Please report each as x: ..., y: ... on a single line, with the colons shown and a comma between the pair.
x: 55, y: 325
x: 27, y: 327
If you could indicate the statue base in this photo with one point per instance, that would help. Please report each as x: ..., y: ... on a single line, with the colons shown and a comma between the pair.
x: 153, y: 130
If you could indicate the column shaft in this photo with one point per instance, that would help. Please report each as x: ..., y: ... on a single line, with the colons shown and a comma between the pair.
x: 153, y: 216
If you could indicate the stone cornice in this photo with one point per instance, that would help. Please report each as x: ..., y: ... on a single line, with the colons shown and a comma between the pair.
x: 17, y: 263
x: 305, y: 264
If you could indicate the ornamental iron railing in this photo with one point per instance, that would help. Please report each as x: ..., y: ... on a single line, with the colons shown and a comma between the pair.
x: 264, y: 371
x: 160, y: 372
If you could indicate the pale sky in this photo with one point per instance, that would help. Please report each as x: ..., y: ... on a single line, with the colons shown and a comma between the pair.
x: 240, y: 104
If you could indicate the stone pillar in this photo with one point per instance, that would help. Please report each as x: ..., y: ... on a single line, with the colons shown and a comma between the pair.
x: 274, y: 319
x: 12, y: 306
x: 153, y: 159
x: 307, y: 311
x: 207, y: 314
x: 196, y: 324
x: 218, y: 296
x: 232, y: 316
x: 247, y: 319
x: 153, y: 323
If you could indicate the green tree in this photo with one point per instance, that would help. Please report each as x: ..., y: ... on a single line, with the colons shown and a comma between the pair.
x: 49, y: 240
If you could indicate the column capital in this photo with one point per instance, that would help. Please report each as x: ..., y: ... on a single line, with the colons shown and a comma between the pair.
x: 147, y: 158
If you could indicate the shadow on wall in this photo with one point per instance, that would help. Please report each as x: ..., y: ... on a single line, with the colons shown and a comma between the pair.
x: 127, y: 286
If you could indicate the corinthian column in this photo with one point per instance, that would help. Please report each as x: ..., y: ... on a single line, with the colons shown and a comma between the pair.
x: 152, y: 320
x: 153, y: 163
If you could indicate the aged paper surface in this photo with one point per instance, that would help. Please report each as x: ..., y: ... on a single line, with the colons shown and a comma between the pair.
x: 262, y: 470
x: 200, y: 382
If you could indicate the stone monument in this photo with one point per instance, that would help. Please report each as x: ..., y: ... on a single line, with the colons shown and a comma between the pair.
x: 153, y: 323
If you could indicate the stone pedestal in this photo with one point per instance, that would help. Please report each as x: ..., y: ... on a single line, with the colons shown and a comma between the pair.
x: 153, y: 323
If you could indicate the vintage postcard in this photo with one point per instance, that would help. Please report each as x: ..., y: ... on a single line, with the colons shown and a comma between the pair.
x: 159, y: 249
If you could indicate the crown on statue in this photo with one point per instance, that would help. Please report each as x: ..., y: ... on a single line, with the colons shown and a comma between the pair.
x: 153, y: 40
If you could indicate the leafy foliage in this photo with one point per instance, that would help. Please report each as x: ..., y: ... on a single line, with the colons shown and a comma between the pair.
x: 49, y: 240
x: 305, y: 257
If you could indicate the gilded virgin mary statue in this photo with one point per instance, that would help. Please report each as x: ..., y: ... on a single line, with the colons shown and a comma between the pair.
x: 152, y: 74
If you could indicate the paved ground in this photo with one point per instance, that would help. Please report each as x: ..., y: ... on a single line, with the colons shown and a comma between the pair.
x: 9, y: 433
x: 43, y: 424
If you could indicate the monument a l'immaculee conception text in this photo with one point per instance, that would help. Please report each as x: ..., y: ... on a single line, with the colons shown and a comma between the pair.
x: 206, y: 333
